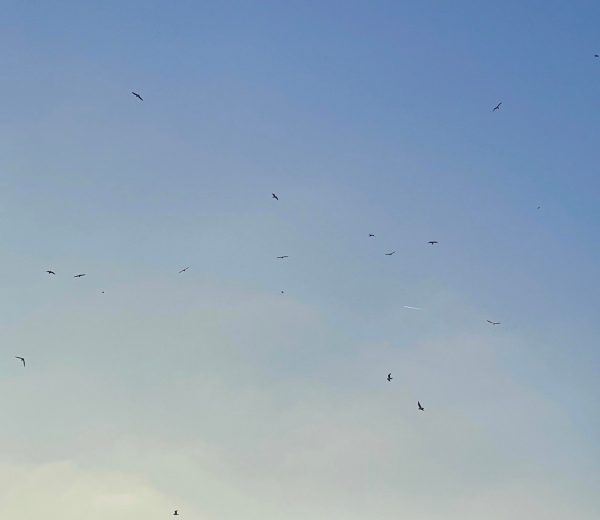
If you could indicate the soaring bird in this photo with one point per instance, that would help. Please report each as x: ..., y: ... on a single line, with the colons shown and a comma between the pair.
x: 79, y: 275
x: 274, y: 196
x: 420, y: 407
x: 493, y: 322
x: 185, y: 269
x: 390, y: 254
x: 137, y: 96
x: 413, y: 308
x: 22, y: 359
x: 371, y: 235
x: 433, y: 242
x: 50, y: 272
x: 497, y: 107
x: 389, y: 377
x: 282, y: 257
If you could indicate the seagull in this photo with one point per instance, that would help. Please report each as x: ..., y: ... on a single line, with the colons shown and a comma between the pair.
x: 389, y: 377
x: 493, y: 322
x: 185, y: 269
x: 22, y: 359
x: 390, y: 254
x: 420, y: 407
x: 137, y: 96
x: 371, y: 235
x: 176, y: 513
x: 50, y: 272
x: 282, y: 257
x: 79, y: 275
x: 497, y: 107
x: 274, y: 196
x: 433, y: 242
x: 413, y: 308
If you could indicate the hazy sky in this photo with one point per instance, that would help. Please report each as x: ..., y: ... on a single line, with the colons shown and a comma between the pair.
x: 212, y: 392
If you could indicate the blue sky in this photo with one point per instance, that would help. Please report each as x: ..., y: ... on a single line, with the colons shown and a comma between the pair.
x: 212, y: 392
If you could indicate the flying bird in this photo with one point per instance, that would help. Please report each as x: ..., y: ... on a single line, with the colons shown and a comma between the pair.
x: 413, y: 308
x: 22, y: 359
x: 389, y: 377
x: 497, y: 107
x: 433, y: 242
x: 185, y: 269
x: 420, y: 407
x: 493, y: 322
x: 176, y: 513
x: 282, y: 257
x: 137, y: 96
x: 596, y: 56
x: 50, y: 272
x: 371, y: 235
x: 79, y: 275
x: 539, y: 207
x: 390, y: 254
x: 274, y: 196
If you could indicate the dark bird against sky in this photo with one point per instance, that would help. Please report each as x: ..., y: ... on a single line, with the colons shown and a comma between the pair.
x: 22, y: 359
x: 79, y: 275
x: 389, y: 377
x: 420, y: 407
x: 497, y: 107
x: 282, y: 257
x: 390, y: 254
x: 493, y: 322
x: 371, y: 235
x: 433, y: 242
x: 50, y: 272
x: 185, y: 269
x: 137, y: 96
x: 274, y: 196
x: 176, y: 513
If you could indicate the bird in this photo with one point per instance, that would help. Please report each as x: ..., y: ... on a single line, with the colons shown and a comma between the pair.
x: 79, y: 275
x: 281, y: 292
x: 413, y: 308
x: 539, y: 207
x: 497, y: 107
x: 596, y: 55
x: 22, y: 359
x: 371, y: 235
x: 433, y: 242
x: 493, y: 322
x: 390, y: 254
x: 176, y: 513
x: 274, y: 196
x: 50, y: 272
x: 420, y: 407
x: 282, y: 257
x: 184, y: 269
x: 137, y: 96
x: 389, y: 377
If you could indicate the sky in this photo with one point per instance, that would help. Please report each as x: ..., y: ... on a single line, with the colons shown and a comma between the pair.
x: 211, y: 391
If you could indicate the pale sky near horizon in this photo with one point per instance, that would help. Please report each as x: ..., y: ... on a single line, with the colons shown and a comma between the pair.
x: 211, y: 392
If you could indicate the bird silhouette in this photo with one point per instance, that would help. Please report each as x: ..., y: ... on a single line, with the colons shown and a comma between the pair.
x: 282, y: 257
x: 497, y: 107
x: 371, y: 235
x: 433, y: 242
x: 176, y: 513
x: 390, y: 254
x: 420, y: 407
x: 137, y: 96
x: 389, y: 377
x: 493, y: 322
x: 184, y: 269
x: 79, y: 275
x: 22, y: 359
x: 50, y: 272
x: 274, y: 196
x: 596, y: 56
